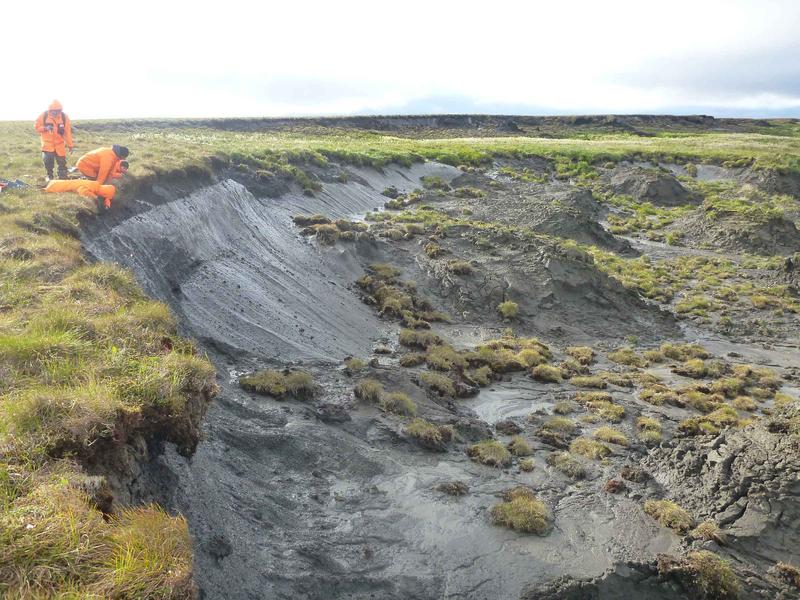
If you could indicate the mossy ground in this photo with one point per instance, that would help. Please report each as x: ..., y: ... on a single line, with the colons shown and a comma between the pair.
x: 85, y: 359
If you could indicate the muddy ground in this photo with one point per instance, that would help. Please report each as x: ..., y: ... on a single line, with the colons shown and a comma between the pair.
x: 332, y: 498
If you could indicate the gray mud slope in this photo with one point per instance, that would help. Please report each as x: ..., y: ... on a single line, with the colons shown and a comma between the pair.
x: 326, y: 499
x: 239, y: 276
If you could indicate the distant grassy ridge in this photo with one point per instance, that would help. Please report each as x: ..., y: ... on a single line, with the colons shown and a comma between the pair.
x: 283, y: 153
x: 87, y: 364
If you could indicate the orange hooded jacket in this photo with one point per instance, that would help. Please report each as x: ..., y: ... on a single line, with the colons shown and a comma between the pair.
x: 99, y: 164
x: 52, y: 141
x: 84, y: 187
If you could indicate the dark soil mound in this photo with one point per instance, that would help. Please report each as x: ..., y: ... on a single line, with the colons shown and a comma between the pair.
x: 738, y: 233
x: 556, y: 209
x: 650, y: 185
x: 744, y: 479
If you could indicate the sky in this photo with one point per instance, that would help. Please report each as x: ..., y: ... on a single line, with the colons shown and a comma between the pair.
x: 294, y: 58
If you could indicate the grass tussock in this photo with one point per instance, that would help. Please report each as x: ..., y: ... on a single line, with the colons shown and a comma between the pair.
x: 567, y: 464
x: 429, y: 435
x: 280, y: 384
x: 518, y: 446
x: 547, y: 373
x: 459, y: 267
x: 560, y: 425
x: 713, y: 423
x: 491, y: 453
x: 788, y: 573
x: 610, y: 435
x: 589, y: 381
x: 703, y: 574
x: 708, y: 531
x: 508, y: 309
x: 522, y: 511
x: 413, y: 338
x: 583, y: 354
x: 649, y: 430
x: 628, y: 357
x: 368, y: 390
x: 441, y: 384
x: 398, y: 403
x: 589, y: 448
x: 669, y: 515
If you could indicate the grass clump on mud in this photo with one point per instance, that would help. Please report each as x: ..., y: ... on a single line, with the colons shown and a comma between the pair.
x: 280, y: 384
x: 429, y: 435
x: 669, y: 515
x: 568, y: 464
x: 547, y: 373
x: 368, y: 390
x: 88, y: 365
x: 372, y: 391
x: 589, y: 448
x: 518, y: 446
x: 610, y: 435
x: 441, y: 384
x: 702, y: 575
x: 490, y: 452
x: 508, y: 309
x: 583, y: 354
x: 522, y: 511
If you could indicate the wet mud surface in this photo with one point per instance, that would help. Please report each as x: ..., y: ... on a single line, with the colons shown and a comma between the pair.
x: 330, y: 498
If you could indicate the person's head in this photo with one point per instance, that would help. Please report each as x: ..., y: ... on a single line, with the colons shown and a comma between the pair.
x: 123, y: 166
x: 120, y: 151
x: 55, y: 108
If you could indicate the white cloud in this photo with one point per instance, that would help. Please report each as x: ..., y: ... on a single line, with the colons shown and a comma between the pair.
x: 237, y: 58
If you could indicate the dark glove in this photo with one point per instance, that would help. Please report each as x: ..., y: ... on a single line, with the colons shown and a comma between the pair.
x: 49, y: 127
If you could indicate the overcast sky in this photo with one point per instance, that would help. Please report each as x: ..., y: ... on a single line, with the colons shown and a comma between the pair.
x: 237, y: 58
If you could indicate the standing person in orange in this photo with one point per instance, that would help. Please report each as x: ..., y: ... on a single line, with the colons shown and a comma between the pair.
x: 56, y: 131
x: 101, y: 164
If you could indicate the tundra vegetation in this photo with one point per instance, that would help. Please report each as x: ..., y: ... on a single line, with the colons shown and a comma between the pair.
x: 85, y: 357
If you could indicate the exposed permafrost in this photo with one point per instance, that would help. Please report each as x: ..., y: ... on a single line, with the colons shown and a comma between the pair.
x: 284, y: 504
x: 235, y: 269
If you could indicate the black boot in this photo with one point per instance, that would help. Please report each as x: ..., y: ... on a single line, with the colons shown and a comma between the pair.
x: 63, y: 172
x: 49, y: 159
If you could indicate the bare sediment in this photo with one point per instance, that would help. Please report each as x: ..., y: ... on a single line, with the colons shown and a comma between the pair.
x: 334, y: 498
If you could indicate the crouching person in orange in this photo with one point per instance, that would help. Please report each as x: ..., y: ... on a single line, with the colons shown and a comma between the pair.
x: 87, y: 189
x: 56, y: 131
x: 121, y: 169
x: 99, y: 165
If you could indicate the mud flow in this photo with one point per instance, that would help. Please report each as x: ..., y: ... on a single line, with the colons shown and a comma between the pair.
x: 337, y: 497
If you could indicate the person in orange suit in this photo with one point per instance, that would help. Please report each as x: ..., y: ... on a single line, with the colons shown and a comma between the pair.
x: 56, y: 130
x: 84, y: 187
x: 100, y: 165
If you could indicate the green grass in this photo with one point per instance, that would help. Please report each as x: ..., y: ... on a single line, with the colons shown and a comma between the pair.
x: 508, y: 309
x: 589, y: 448
x: 88, y: 363
x: 490, y: 452
x: 669, y: 514
x: 522, y: 511
x: 568, y: 464
x: 298, y: 384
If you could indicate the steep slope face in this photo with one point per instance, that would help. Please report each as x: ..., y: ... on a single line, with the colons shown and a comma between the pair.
x: 234, y: 268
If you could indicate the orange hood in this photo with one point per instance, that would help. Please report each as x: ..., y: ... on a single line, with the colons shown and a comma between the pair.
x: 55, y: 105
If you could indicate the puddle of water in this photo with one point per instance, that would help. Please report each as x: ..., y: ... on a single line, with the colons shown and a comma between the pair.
x: 516, y: 398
